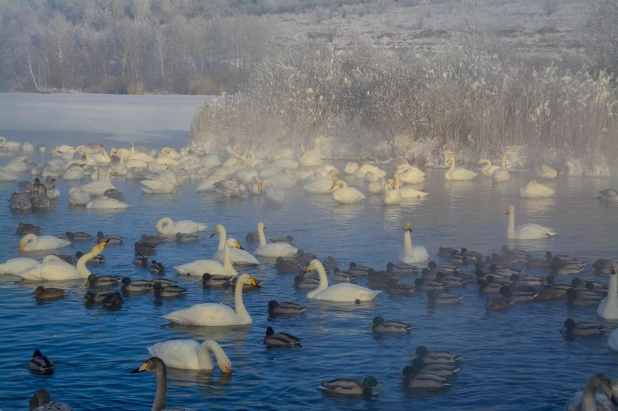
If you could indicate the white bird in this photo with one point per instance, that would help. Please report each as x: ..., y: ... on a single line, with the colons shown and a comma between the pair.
x: 78, y: 197
x: 526, y: 231
x: 213, y: 314
x: 411, y: 254
x: 342, y: 292
x: 237, y: 256
x: 322, y: 185
x: 167, y: 226
x: 17, y: 265
x: 9, y: 145
x: 501, y: 174
x: 390, y: 196
x: 107, y: 203
x: 488, y: 169
x: 191, y: 355
x: 6, y: 176
x: 406, y: 192
x: 597, y: 396
x: 30, y: 242
x: 272, y: 250
x: 98, y: 188
x: 545, y: 172
x: 534, y: 189
x: 308, y: 159
x: 73, y: 174
x: 199, y: 267
x: 344, y: 194
x: 459, y: 173
x: 351, y: 167
x: 272, y: 192
x: 608, y: 308
x: 410, y: 175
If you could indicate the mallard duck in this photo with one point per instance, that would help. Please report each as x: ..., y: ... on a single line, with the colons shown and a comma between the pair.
x: 577, y: 298
x: 505, y: 272
x: 547, y: 294
x: 555, y: 269
x: 157, y: 268
x: 41, y: 364
x: 446, y: 252
x: 145, y: 248
x: 415, y: 379
x: 397, y: 288
x: 497, y: 304
x: 422, y: 284
x: 246, y: 287
x: 285, y: 308
x: 96, y: 297
x: 602, y: 266
x: 285, y: 266
x: 551, y: 285
x: 252, y: 237
x: 102, y: 280
x: 441, y: 370
x: 42, y: 293
x: 521, y: 255
x: 584, y: 329
x: 280, y: 340
x: 489, y: 285
x: 215, y: 280
x: 75, y: 237
x: 527, y: 280
x: 169, y: 291
x: 443, y: 357
x: 41, y: 401
x: 186, y: 237
x: 140, y: 260
x: 152, y: 239
x: 163, y: 281
x: 329, y: 262
x: 342, y: 277
x: 111, y: 239
x: 23, y: 228
x: 301, y: 257
x: 287, y: 240
x: 449, y: 280
x: 436, y: 297
x: 380, y: 282
x: 381, y: 326
x: 447, y: 268
x: 563, y: 257
x: 97, y: 259
x: 517, y: 296
x: 113, y: 301
x: 136, y: 286
x: 350, y: 388
x: 357, y: 270
x: 471, y: 255
x: 401, y: 268
x: 306, y: 283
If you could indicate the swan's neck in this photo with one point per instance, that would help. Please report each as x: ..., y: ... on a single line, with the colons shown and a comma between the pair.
x: 589, y: 401
x: 203, y: 357
x: 227, y: 262
x: 452, y: 164
x: 109, y: 171
x: 612, y: 298
x: 161, y: 395
x: 504, y: 162
x: 487, y: 164
x: 262, y: 237
x: 323, y: 282
x: 220, y: 355
x: 407, y: 242
x: 344, y: 185
x: 396, y: 181
x: 222, y: 238
x: 162, y: 225
x: 510, y: 228
x: 241, y: 311
x: 81, y: 263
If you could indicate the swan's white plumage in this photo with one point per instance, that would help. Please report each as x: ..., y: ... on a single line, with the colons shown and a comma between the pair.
x: 17, y: 265
x: 527, y: 231
x: 107, y: 203
x: 191, y: 355
x: 167, y: 226
x: 32, y: 242
x: 534, y: 189
x: 344, y: 194
x: 272, y: 250
x: 459, y: 173
x: 412, y: 254
x: 200, y: 267
x: 343, y: 292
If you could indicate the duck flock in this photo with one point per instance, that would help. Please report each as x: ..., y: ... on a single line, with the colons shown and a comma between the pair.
x: 500, y: 275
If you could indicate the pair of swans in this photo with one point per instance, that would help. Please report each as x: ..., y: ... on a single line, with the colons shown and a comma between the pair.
x: 342, y: 292
x: 272, y: 250
x: 215, y: 314
x: 344, y: 194
x: 458, y: 173
x: 32, y: 242
x: 167, y: 226
x: 237, y: 256
x: 199, y: 267
x: 534, y: 189
x: 54, y: 269
x: 527, y: 231
x: 411, y: 254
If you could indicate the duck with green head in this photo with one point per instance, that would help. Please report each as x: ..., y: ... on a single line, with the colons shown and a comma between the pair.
x: 102, y: 280
x: 415, y: 379
x: 443, y: 357
x: 136, y: 286
x: 441, y: 370
x: 168, y: 291
x: 381, y: 326
x: 350, y: 388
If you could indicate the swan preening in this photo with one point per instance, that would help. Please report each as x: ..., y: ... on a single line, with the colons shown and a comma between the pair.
x: 526, y: 231
x: 32, y: 242
x: 534, y: 189
x: 191, y: 355
x: 598, y: 395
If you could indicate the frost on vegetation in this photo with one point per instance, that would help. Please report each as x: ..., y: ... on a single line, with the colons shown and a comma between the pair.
x: 363, y: 102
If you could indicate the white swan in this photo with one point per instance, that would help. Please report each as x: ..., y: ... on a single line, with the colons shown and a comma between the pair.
x: 343, y: 292
x: 322, y: 185
x: 534, y: 189
x: 344, y: 194
x: 30, y: 242
x: 98, y: 188
x: 597, y: 396
x: 272, y: 192
x: 488, y: 169
x: 54, y: 269
x: 191, y: 355
x: 133, y: 155
x: 107, y: 203
x: 608, y: 308
x: 272, y: 250
x: 545, y: 172
x: 17, y: 265
x: 78, y: 197
x: 199, y: 267
x: 407, y: 192
x: 237, y: 256
x: 526, y: 231
x: 73, y: 174
x: 167, y: 226
x: 351, y: 167
x: 6, y: 176
x: 411, y: 254
x: 308, y: 159
x: 390, y: 196
x: 459, y: 173
x: 501, y: 174
x: 9, y: 145
x: 214, y: 314
x: 410, y: 175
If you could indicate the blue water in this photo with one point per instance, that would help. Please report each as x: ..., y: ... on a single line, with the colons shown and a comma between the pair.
x: 513, y: 360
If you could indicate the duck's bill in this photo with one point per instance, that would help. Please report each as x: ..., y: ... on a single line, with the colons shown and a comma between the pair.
x: 140, y: 368
x: 379, y: 387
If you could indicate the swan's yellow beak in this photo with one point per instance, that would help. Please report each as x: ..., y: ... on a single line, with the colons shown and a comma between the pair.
x: 227, y: 369
x: 239, y: 246
x: 21, y: 247
x: 143, y: 367
x: 308, y: 268
x: 261, y: 187
x: 252, y: 282
x: 214, y: 232
x: 477, y: 163
x: 103, y: 243
x: 392, y: 183
x: 168, y: 167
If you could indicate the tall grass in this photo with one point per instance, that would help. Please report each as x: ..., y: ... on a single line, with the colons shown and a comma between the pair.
x: 364, y: 101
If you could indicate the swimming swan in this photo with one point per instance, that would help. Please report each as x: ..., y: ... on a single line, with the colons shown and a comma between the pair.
x: 344, y: 194
x: 407, y: 192
x: 526, y: 231
x: 488, y: 169
x: 545, y: 172
x: 191, y: 355
x: 54, y: 269
x: 30, y: 242
x: 17, y: 265
x: 107, y: 203
x: 98, y: 188
x: 598, y: 395
x: 389, y: 194
x: 501, y: 174
x: 199, y: 267
x: 410, y: 254
x: 322, y: 185
x: 167, y: 226
x: 459, y: 173
x: 237, y: 256
x: 342, y: 292
x: 157, y: 366
x: 534, y: 189
x: 608, y: 308
x: 215, y: 314
x: 272, y: 250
